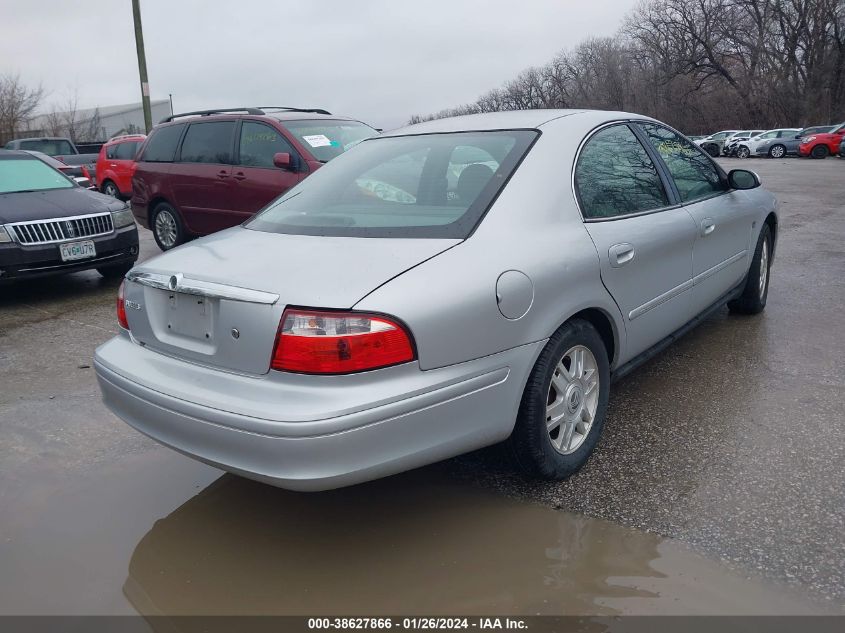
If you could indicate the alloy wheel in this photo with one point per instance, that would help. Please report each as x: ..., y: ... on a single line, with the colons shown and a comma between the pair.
x: 165, y: 227
x: 572, y: 399
x: 110, y: 190
x: 764, y: 268
x: 777, y: 151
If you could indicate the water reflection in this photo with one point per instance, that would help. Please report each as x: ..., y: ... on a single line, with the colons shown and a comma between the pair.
x: 409, y: 544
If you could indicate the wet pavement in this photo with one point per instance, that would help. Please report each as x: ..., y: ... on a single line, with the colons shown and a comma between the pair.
x: 731, y: 444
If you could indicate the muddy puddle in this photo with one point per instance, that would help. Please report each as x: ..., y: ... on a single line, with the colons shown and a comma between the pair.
x: 162, y: 535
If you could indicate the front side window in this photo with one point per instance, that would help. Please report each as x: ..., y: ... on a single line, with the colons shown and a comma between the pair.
x: 259, y: 143
x: 769, y: 135
x: 111, y: 152
x: 429, y: 185
x: 19, y: 175
x: 327, y: 139
x: 208, y: 143
x: 695, y: 175
x: 161, y: 146
x: 615, y: 176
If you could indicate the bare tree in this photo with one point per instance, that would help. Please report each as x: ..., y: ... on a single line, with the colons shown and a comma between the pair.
x: 68, y: 121
x: 18, y: 103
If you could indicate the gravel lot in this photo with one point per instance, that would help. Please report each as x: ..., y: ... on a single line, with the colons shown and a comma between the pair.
x: 731, y: 442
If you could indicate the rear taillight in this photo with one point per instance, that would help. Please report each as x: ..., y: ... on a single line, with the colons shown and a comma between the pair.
x: 323, y: 342
x: 121, y: 308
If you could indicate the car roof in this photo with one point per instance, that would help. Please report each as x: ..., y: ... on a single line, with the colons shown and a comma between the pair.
x: 508, y: 120
x: 280, y: 114
x: 8, y: 154
x: 40, y: 138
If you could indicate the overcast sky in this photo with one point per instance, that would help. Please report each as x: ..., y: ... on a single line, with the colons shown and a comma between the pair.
x: 378, y: 60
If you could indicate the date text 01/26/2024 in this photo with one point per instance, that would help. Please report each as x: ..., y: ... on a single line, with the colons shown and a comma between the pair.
x: 416, y: 624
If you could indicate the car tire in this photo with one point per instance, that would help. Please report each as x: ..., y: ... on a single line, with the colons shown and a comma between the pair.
x: 116, y: 271
x: 555, y: 387
x: 756, y: 290
x: 777, y: 151
x: 713, y: 150
x: 743, y: 152
x: 819, y: 151
x: 110, y: 189
x: 168, y: 230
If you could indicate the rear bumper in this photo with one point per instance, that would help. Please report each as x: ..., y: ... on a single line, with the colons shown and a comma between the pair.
x: 25, y: 262
x: 313, y: 432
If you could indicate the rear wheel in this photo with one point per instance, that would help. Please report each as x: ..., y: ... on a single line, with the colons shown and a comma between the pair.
x: 756, y: 291
x: 713, y: 150
x: 743, y: 152
x: 820, y: 151
x: 167, y: 226
x: 563, y: 407
x: 777, y: 151
x: 110, y: 189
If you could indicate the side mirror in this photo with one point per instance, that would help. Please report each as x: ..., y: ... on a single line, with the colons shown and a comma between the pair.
x: 743, y: 179
x: 797, y: 136
x: 282, y: 160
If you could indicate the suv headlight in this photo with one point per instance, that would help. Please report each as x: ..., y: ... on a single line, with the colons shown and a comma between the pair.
x: 4, y: 235
x: 122, y: 218
x: 808, y: 139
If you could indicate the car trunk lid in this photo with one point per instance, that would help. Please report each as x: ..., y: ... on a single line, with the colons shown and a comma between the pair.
x: 218, y: 301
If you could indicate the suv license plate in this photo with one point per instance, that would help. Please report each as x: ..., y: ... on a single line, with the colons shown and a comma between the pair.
x: 77, y: 250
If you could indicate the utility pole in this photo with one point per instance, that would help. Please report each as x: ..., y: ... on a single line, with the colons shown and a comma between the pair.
x: 142, y: 66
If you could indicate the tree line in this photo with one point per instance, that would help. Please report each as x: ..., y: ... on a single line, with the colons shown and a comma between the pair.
x: 19, y: 104
x: 699, y: 65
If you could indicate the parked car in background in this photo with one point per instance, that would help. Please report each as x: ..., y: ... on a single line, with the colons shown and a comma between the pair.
x: 842, y: 148
x: 713, y: 144
x: 293, y: 351
x: 772, y: 150
x: 116, y: 164
x: 778, y: 146
x: 50, y: 225
x: 732, y: 142
x: 823, y: 144
x: 60, y: 148
x: 201, y: 172
x: 79, y: 173
x: 696, y: 137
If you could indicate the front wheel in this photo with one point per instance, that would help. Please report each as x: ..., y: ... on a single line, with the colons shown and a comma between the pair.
x: 820, y: 151
x: 110, y: 189
x: 743, y: 152
x: 756, y: 291
x: 564, y: 404
x: 777, y: 151
x: 167, y: 227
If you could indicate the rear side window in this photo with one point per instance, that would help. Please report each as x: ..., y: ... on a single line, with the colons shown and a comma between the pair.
x: 258, y: 144
x: 126, y: 151
x: 694, y: 173
x: 208, y: 143
x: 615, y: 176
x: 161, y: 146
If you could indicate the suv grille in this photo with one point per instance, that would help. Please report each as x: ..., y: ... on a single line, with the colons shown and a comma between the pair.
x: 51, y: 231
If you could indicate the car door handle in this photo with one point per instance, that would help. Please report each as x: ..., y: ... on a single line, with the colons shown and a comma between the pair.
x: 239, y: 176
x: 707, y: 227
x: 620, y: 254
x: 222, y: 174
x: 114, y: 165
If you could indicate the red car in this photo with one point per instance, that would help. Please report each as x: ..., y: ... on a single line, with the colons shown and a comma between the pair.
x: 822, y: 145
x: 201, y: 172
x: 116, y: 163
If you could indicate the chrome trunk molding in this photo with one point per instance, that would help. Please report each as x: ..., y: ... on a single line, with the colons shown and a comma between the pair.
x: 210, y: 289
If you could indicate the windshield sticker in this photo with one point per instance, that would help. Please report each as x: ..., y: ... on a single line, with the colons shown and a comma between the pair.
x: 317, y: 140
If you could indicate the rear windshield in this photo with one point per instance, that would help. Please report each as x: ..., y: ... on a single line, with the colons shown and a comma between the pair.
x: 18, y: 175
x: 329, y: 139
x: 50, y: 147
x: 431, y: 185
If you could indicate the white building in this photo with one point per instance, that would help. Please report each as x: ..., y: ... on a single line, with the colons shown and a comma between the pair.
x: 99, y: 123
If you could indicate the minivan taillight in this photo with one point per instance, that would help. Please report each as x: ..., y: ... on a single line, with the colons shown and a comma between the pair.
x: 121, y: 307
x: 324, y: 342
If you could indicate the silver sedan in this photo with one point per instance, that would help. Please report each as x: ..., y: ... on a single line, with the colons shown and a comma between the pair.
x: 437, y: 289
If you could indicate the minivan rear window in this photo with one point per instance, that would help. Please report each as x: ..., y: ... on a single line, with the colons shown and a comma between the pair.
x: 430, y: 185
x: 161, y: 146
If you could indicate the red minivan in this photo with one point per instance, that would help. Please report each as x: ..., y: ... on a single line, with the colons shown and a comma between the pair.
x: 115, y: 165
x: 201, y: 172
